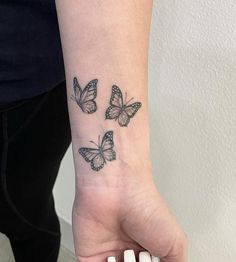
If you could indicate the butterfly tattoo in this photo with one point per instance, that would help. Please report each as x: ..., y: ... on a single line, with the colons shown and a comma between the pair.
x: 97, y: 157
x: 120, y: 110
x: 85, y: 97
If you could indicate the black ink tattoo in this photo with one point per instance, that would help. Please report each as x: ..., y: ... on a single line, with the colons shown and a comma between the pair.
x: 85, y: 98
x: 120, y: 110
x: 104, y: 152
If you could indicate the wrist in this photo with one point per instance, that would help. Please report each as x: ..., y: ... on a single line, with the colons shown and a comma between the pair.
x: 107, y: 195
x: 132, y: 161
x: 117, y: 177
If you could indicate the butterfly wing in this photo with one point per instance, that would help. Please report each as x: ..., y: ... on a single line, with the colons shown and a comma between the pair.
x: 98, y: 162
x: 116, y: 103
x: 107, y: 146
x: 113, y: 112
x: 93, y: 156
x: 89, y: 153
x: 123, y: 118
x: 128, y: 112
x: 77, y: 90
x: 86, y: 102
x: 116, y: 97
x: 107, y: 141
x: 109, y: 155
x: 89, y: 107
x: 132, y: 109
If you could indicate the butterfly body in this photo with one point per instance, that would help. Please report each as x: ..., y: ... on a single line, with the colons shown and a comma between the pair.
x: 85, y: 98
x: 98, y: 157
x: 118, y: 110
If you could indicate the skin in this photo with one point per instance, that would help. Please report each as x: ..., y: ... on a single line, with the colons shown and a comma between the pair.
x: 118, y: 207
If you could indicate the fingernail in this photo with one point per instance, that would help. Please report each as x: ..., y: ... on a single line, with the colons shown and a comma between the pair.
x: 111, y: 259
x: 144, y: 256
x: 155, y: 259
x: 129, y: 256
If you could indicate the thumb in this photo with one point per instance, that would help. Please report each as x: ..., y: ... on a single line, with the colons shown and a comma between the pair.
x: 178, y: 252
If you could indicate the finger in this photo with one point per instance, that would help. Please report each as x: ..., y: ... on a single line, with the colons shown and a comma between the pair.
x: 129, y: 256
x: 144, y: 257
x: 155, y: 259
x: 178, y: 253
x: 111, y: 259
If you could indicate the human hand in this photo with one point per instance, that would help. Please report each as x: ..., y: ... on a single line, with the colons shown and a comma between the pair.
x: 107, y: 221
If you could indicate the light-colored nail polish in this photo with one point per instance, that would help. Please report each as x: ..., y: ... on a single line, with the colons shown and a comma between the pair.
x: 144, y: 256
x: 155, y: 259
x: 111, y: 259
x: 129, y: 256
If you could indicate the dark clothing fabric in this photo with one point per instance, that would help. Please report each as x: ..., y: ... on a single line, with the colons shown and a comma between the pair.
x: 34, y: 136
x: 31, y: 61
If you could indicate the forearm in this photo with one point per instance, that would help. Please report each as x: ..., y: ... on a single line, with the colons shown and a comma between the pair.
x: 117, y: 205
x: 107, y: 41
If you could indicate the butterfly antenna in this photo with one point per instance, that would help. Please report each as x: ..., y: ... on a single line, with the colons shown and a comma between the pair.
x: 99, y: 141
x: 129, y: 101
x: 94, y: 143
x: 125, y: 97
x: 72, y: 97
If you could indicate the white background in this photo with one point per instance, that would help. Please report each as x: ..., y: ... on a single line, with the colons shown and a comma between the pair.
x: 192, y: 85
